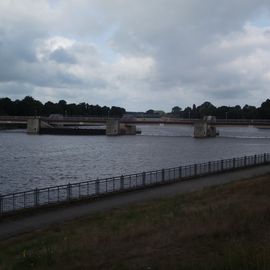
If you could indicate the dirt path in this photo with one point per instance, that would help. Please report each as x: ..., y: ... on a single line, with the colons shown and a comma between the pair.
x: 42, y: 219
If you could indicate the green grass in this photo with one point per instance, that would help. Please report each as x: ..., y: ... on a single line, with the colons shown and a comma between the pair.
x: 223, y: 228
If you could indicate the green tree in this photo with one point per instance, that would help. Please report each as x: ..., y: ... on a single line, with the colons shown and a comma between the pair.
x: 176, y: 110
x: 264, y: 110
x: 207, y: 108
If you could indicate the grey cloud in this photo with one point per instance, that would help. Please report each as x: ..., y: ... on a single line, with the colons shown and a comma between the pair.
x: 62, y: 56
x: 182, y: 37
x: 15, y: 90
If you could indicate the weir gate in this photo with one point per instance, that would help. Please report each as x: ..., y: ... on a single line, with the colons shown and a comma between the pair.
x: 41, y: 125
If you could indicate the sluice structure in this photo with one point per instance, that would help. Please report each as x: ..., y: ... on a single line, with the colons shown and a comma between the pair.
x: 115, y: 128
x: 111, y: 128
x: 205, y: 128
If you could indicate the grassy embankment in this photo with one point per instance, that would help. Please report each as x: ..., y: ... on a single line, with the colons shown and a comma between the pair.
x: 226, y: 227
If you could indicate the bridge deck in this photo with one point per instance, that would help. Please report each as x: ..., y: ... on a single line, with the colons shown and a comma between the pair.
x: 77, y: 121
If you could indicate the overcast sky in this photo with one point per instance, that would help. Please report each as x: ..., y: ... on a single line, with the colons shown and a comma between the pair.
x: 138, y: 54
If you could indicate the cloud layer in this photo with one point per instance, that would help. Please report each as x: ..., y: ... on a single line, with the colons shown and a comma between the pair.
x: 136, y: 54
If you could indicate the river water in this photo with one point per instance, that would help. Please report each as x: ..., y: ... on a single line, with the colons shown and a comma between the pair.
x: 30, y: 161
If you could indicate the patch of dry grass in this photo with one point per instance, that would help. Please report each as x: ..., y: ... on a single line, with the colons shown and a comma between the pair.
x: 226, y: 227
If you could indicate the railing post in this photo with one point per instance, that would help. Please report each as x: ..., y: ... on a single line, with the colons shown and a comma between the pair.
x: 1, y: 205
x: 233, y: 163
x: 222, y: 165
x: 143, y: 179
x: 195, y: 169
x: 180, y: 172
x: 163, y: 175
x: 209, y: 167
x: 97, y: 186
x: 36, y: 197
x: 255, y: 159
x: 88, y: 188
x: 68, y: 191
x: 264, y: 158
x: 245, y: 161
x: 122, y: 182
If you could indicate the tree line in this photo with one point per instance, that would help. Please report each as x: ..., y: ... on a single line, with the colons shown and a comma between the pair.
x: 224, y: 112
x: 29, y: 106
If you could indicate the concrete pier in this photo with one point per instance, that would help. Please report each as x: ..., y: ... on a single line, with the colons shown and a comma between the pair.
x: 205, y: 128
x: 112, y: 127
x: 127, y: 129
x: 33, y: 126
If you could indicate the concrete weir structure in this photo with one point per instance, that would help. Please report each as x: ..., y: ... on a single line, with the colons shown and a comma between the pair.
x: 113, y: 128
x: 205, y: 128
x: 127, y: 129
x: 33, y: 126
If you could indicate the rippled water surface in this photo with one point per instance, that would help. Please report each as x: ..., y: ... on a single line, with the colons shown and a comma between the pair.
x: 30, y: 161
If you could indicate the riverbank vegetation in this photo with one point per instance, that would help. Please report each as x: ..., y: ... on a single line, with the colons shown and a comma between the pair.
x: 226, y: 227
x: 28, y: 106
x: 224, y: 112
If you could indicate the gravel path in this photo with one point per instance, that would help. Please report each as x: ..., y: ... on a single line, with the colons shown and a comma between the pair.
x: 41, y: 219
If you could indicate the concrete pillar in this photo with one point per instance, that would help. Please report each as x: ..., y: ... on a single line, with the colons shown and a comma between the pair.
x: 33, y: 126
x: 200, y: 129
x: 205, y: 127
x: 126, y: 129
x: 112, y: 127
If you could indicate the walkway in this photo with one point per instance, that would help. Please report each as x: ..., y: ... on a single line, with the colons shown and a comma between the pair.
x: 55, y: 215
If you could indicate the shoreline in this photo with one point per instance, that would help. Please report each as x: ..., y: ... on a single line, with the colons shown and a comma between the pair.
x: 219, y: 226
x: 11, y: 226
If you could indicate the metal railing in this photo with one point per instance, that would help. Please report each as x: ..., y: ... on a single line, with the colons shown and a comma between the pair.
x: 95, y: 188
